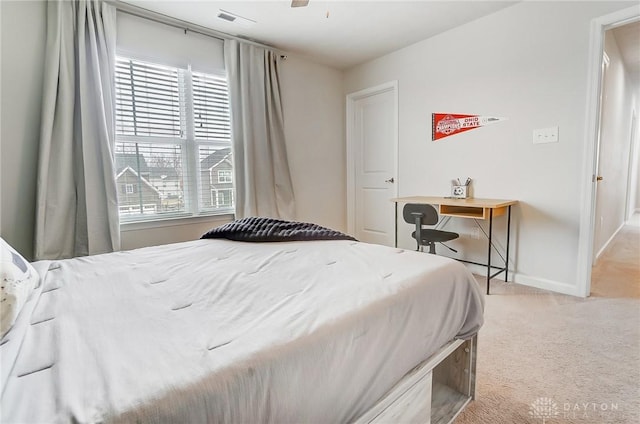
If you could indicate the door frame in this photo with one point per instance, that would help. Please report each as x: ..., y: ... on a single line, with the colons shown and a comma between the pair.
x: 592, y: 126
x: 352, y: 154
x: 632, y: 172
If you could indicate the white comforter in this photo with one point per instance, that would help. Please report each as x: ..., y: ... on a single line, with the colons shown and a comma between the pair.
x: 222, y: 331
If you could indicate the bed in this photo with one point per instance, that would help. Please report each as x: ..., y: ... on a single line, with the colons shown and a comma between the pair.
x: 216, y: 330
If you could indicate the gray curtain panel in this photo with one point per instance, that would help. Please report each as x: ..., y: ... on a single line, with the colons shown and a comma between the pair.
x: 77, y: 205
x: 262, y: 179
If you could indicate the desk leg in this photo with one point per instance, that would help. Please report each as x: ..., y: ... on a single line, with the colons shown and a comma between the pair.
x: 489, y: 250
x: 506, y: 262
x: 395, y: 226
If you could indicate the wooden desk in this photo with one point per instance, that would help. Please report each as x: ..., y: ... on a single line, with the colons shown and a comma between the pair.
x: 473, y: 208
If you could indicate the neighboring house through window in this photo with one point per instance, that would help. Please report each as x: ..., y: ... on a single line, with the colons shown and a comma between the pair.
x: 216, y: 170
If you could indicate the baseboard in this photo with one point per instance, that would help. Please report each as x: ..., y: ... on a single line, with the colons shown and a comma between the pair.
x: 531, y: 281
x: 545, y: 284
x: 604, y: 247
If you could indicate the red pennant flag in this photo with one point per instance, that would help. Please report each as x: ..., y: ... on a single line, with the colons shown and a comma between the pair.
x: 446, y: 124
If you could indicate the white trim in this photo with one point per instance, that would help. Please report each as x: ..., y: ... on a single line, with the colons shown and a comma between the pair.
x: 587, y: 202
x: 632, y: 172
x: 604, y: 247
x: 545, y: 284
x: 174, y: 222
x: 190, y: 159
x: 351, y: 169
x: 529, y: 281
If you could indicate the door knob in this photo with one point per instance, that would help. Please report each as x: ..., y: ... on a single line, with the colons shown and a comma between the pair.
x: 599, y: 178
x: 390, y: 180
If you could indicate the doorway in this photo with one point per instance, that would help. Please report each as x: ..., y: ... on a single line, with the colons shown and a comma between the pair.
x: 606, y: 171
x: 372, y: 158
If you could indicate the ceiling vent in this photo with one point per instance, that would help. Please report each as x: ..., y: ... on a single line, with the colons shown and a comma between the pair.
x: 232, y: 17
x: 226, y: 16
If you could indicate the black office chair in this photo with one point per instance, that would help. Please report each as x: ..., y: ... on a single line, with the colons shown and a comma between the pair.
x: 421, y: 214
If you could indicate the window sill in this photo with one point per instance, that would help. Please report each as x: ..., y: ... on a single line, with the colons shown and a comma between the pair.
x: 174, y: 222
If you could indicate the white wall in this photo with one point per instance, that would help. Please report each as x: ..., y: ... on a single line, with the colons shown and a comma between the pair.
x: 615, y: 147
x: 528, y: 63
x: 22, y: 33
x: 313, y: 105
x: 144, y: 234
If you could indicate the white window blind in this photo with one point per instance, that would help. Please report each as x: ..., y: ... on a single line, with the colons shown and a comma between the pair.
x: 148, y: 99
x: 172, y: 133
x: 211, y: 107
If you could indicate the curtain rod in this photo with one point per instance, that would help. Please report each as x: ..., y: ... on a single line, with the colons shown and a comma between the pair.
x: 182, y: 24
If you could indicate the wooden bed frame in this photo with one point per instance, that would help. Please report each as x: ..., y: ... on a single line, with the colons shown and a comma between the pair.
x: 434, y: 392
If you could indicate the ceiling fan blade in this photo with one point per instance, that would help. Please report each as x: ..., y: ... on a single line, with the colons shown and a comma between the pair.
x: 299, y: 3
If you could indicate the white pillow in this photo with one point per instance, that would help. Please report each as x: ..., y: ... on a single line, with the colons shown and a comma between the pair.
x: 17, y: 278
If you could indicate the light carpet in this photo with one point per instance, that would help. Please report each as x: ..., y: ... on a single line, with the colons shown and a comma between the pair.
x: 545, y: 357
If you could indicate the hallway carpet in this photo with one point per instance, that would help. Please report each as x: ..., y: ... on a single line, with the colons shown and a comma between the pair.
x: 579, y: 358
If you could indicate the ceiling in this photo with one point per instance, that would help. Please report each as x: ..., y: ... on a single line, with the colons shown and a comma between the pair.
x: 628, y: 40
x: 336, y: 33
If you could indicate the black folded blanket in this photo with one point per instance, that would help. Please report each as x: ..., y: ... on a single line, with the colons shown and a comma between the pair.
x: 259, y: 229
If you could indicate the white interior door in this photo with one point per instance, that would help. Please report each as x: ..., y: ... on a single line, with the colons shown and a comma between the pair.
x: 599, y: 201
x: 372, y: 139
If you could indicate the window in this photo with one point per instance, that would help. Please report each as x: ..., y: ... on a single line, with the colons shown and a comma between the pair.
x: 224, y: 197
x: 224, y: 176
x: 172, y: 130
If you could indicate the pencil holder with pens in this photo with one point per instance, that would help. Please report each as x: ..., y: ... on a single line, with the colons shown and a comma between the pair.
x: 461, y: 191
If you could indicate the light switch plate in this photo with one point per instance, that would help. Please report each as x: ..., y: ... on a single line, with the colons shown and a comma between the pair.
x: 545, y: 135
